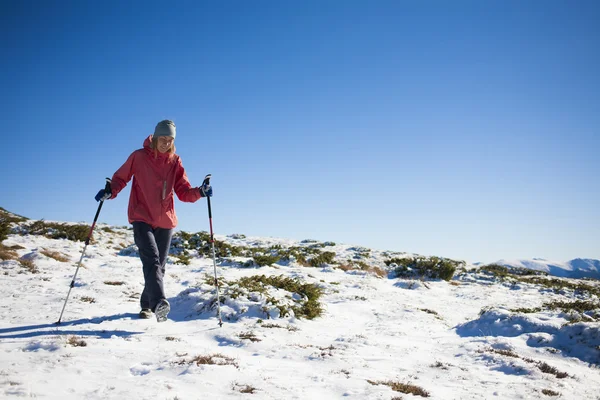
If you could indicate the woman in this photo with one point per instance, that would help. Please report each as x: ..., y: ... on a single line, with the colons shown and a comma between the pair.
x: 157, y: 172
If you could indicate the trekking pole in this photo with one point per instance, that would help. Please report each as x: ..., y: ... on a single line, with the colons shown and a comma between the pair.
x: 87, y: 241
x: 212, y: 241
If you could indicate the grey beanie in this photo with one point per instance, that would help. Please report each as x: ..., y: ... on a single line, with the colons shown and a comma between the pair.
x: 165, y: 128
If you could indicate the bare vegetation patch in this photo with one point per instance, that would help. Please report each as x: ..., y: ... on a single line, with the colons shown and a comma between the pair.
x: 87, y: 299
x: 549, y: 392
x: 406, y: 388
x: 75, y: 341
x: 290, y: 328
x: 114, y: 283
x: 212, y: 359
x: 542, y: 366
x: 506, y: 353
x: 548, y: 369
x: 354, y: 265
x: 247, y: 389
x: 428, y: 311
x: 249, y: 336
x: 440, y: 365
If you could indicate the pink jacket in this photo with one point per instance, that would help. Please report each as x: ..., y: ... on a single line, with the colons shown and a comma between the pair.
x: 154, y: 180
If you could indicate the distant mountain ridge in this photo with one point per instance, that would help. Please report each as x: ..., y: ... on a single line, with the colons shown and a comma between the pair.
x: 577, y: 268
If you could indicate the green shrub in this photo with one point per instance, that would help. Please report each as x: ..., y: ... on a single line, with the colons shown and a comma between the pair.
x: 295, y: 252
x: 262, y: 260
x: 309, y: 308
x: 54, y: 230
x: 504, y: 272
x: 578, y: 306
x: 4, y: 229
x: 559, y: 284
x: 6, y: 221
x: 200, y: 241
x: 183, y: 259
x: 323, y: 258
x: 432, y: 268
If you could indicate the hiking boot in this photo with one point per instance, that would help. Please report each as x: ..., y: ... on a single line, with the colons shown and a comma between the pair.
x: 162, y: 310
x: 146, y: 313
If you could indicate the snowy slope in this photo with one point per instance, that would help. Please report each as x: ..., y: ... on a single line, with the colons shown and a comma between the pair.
x: 578, y: 268
x: 451, y: 340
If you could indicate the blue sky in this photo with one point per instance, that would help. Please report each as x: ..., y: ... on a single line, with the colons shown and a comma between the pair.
x: 461, y: 129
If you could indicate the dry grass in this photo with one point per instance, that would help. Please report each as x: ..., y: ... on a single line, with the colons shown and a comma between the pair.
x: 6, y: 253
x: 114, y: 283
x: 379, y: 272
x: 345, y: 267
x: 29, y: 265
x: 76, y: 342
x: 362, y: 266
x: 406, y: 388
x: 548, y: 369
x: 55, y: 255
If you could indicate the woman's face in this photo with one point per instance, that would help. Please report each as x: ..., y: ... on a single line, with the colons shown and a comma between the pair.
x: 164, y: 143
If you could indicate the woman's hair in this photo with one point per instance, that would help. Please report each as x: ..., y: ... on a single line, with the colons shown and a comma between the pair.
x: 154, y: 146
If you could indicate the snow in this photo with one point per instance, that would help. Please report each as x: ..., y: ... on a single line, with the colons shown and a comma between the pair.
x: 578, y: 268
x: 455, y: 340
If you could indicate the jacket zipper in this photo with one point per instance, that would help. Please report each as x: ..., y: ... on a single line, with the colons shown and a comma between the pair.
x: 164, y: 189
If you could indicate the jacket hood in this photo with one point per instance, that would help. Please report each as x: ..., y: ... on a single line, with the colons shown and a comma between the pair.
x: 148, y: 143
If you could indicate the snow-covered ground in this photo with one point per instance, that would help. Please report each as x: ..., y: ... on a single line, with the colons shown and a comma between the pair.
x: 577, y: 268
x: 450, y: 340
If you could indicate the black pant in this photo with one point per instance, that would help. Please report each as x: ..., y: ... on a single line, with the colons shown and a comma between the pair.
x: 153, y: 245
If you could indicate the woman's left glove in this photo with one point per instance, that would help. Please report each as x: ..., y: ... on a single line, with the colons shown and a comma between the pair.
x: 206, y: 190
x: 103, y: 195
